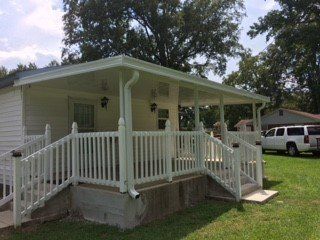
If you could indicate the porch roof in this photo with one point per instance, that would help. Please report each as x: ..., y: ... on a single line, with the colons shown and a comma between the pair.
x: 210, y: 90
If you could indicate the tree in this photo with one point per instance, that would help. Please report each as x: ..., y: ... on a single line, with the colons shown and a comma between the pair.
x: 263, y: 74
x: 174, y: 34
x: 295, y: 29
x: 3, y: 71
x: 23, y: 67
x: 53, y: 63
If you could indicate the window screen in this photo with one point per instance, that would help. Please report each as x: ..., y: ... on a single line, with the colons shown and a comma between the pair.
x: 295, y: 131
x: 280, y: 132
x: 84, y: 117
x: 163, y: 115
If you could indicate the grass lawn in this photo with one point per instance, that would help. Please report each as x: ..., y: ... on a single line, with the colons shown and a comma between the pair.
x: 294, y: 214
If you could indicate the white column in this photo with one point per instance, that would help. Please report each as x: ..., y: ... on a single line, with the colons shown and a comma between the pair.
x: 17, y: 190
x: 74, y: 155
x: 222, y: 122
x: 168, y: 151
x: 237, y: 169
x: 259, y: 163
x: 122, y: 156
x: 48, y: 135
x: 196, y: 109
x: 254, y: 116
x: 121, y: 95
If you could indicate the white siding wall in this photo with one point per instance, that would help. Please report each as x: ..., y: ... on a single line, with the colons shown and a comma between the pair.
x: 45, y: 105
x: 10, y: 119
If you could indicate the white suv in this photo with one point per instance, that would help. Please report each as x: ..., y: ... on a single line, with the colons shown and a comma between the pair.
x: 293, y: 139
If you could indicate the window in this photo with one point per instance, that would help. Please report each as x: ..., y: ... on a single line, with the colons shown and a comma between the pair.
x: 280, y: 112
x: 280, y: 132
x: 295, y: 131
x: 163, y: 116
x: 84, y: 117
x: 270, y: 133
x: 315, y: 130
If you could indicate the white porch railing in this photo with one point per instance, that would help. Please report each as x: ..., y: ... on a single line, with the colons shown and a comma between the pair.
x: 249, y: 157
x: 249, y: 137
x: 221, y: 164
x: 32, y: 144
x: 100, y: 158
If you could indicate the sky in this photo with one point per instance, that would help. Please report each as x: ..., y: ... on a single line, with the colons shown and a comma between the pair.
x: 32, y: 31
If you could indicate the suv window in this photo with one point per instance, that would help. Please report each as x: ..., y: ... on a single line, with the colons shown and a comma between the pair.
x: 270, y: 133
x: 315, y: 130
x: 280, y: 132
x: 295, y: 131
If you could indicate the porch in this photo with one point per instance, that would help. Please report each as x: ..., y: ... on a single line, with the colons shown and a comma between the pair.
x: 134, y: 153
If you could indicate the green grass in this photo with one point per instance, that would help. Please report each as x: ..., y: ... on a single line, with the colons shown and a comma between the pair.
x: 294, y: 214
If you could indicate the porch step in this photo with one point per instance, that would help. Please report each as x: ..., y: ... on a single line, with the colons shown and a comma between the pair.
x: 260, y: 196
x: 249, y: 188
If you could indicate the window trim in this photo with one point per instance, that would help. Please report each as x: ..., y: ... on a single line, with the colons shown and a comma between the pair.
x: 72, y: 101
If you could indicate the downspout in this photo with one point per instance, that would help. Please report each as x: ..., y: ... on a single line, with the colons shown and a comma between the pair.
x: 128, y: 119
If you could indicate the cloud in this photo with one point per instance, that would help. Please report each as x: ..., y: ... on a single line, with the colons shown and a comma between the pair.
x: 27, y: 54
x: 269, y: 5
x: 45, y: 16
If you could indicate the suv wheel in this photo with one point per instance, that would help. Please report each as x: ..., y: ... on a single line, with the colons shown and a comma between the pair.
x: 292, y: 149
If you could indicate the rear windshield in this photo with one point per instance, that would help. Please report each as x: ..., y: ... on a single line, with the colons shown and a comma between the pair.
x: 314, y: 130
x: 295, y: 131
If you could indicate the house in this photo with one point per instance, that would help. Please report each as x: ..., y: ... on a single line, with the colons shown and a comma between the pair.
x: 280, y: 117
x: 244, y: 125
x: 105, y: 134
x: 283, y: 116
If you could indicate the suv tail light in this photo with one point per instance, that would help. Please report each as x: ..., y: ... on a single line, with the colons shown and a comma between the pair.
x: 306, y: 139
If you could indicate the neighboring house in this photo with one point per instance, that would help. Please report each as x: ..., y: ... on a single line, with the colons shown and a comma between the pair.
x: 280, y: 117
x: 283, y: 117
x: 244, y: 125
x: 113, y: 123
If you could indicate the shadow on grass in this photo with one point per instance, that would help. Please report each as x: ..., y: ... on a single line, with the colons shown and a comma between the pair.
x: 301, y: 155
x: 268, y: 184
x: 177, y: 226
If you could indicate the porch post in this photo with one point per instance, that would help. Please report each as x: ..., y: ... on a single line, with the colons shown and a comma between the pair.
x: 75, y: 158
x: 201, y: 147
x: 254, y: 117
x: 168, y: 151
x: 222, y: 124
x: 47, y: 142
x: 122, y: 156
x: 121, y: 95
x: 17, y: 189
x: 259, y: 163
x: 196, y: 109
x: 237, y: 169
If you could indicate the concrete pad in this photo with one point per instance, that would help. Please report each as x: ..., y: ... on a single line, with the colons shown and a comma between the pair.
x: 6, y: 219
x: 260, y: 196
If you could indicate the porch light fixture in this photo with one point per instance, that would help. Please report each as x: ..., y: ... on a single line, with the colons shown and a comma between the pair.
x: 104, y: 102
x: 153, y: 107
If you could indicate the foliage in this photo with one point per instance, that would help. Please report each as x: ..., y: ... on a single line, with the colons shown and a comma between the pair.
x: 3, y: 71
x: 295, y: 29
x: 174, y: 34
x: 294, y: 214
